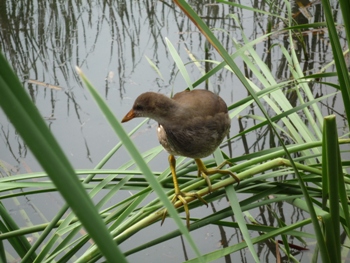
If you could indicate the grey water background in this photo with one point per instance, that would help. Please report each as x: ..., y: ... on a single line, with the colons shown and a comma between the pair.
x: 109, y: 41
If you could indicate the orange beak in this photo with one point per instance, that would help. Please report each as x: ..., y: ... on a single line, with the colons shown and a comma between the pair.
x: 130, y: 115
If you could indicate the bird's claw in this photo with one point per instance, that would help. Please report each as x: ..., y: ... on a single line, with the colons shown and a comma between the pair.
x: 205, y: 172
x: 181, y: 196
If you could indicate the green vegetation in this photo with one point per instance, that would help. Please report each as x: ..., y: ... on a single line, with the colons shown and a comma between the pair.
x: 309, y: 172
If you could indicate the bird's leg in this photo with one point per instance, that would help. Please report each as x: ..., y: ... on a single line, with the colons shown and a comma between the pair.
x: 180, y: 195
x: 204, y: 171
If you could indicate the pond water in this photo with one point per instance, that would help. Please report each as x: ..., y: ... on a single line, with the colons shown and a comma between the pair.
x: 110, y: 42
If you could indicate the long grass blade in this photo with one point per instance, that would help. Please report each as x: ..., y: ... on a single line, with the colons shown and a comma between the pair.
x: 179, y: 63
x: 30, y: 125
x: 129, y: 145
x: 332, y: 171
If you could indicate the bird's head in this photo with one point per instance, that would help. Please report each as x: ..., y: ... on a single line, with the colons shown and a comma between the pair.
x: 151, y: 105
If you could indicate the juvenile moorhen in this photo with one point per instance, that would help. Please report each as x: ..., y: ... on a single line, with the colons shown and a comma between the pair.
x: 191, y: 124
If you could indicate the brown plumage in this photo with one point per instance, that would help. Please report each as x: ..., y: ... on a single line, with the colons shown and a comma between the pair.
x: 191, y: 124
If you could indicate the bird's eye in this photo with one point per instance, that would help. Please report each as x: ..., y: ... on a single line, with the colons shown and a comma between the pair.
x: 139, y: 107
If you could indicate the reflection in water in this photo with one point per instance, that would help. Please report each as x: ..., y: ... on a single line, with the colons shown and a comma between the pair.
x: 45, y: 40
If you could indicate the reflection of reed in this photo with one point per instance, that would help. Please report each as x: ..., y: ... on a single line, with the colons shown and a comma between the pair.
x: 17, y: 151
x: 44, y: 41
x: 46, y: 85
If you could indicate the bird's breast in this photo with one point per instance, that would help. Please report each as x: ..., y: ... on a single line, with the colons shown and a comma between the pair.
x: 163, y: 140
